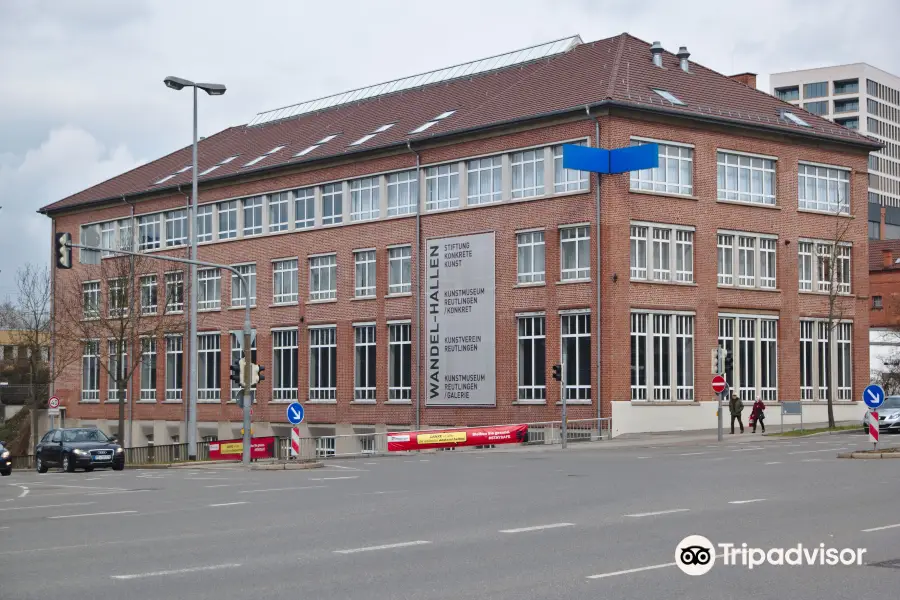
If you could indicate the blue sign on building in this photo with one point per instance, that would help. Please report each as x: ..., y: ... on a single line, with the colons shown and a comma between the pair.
x: 618, y: 160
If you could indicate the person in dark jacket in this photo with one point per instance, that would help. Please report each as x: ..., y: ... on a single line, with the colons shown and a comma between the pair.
x: 758, y: 415
x: 736, y: 407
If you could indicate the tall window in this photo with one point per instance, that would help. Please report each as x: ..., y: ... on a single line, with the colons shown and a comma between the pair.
x: 442, y: 187
x: 148, y: 369
x: 149, y: 232
x: 237, y: 352
x: 402, y: 193
x: 574, y: 249
x: 823, y: 188
x: 209, y: 360
x: 576, y: 355
x: 117, y: 369
x: 90, y: 371
x: 399, y: 362
x: 567, y: 180
x: 527, y: 173
x: 90, y: 294
x: 767, y: 262
x: 752, y: 343
x: 746, y: 261
x: 126, y: 235
x: 805, y: 263
x: 228, y: 220
x: 323, y: 277
x: 399, y: 270
x: 176, y: 228
x: 533, y: 358
x: 364, y: 362
x: 674, y: 175
x: 279, y: 204
x: 485, y: 180
x: 832, y: 266
x: 746, y: 178
x: 107, y: 237
x: 284, y: 364
x: 662, y: 356
x: 118, y: 297
x: 148, y: 295
x: 531, y: 257
x: 826, y: 367
x: 304, y: 208
x: 844, y: 361
x: 753, y: 260
x: 174, y: 292
x: 209, y: 288
x: 238, y: 292
x: 253, y: 215
x: 174, y: 367
x: 666, y: 264
x: 322, y: 363
x: 365, y: 198
x: 639, y: 235
x: 332, y: 204
x: 205, y: 223
x: 365, y: 273
x: 815, y: 90
x: 284, y: 281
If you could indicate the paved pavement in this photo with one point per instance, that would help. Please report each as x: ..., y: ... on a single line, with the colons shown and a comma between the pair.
x: 539, y: 524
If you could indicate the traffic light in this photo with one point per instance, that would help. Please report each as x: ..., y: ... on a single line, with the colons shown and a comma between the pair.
x: 256, y: 374
x: 236, y: 372
x: 63, y: 251
x: 729, y: 362
x: 557, y: 372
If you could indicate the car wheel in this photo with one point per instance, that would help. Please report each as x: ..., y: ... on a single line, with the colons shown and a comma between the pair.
x: 119, y: 467
x: 88, y: 469
x: 68, y: 464
x: 40, y: 466
x: 6, y: 473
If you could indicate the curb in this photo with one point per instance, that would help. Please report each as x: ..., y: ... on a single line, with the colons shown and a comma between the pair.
x: 869, y: 455
x: 286, y: 466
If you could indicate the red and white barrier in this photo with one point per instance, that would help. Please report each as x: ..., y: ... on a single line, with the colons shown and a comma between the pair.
x: 295, y: 441
x: 873, y: 427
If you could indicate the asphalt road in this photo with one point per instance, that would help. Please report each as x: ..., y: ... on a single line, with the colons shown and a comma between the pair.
x: 538, y: 524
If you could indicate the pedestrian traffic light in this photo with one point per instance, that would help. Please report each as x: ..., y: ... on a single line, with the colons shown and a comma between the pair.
x: 256, y: 374
x: 557, y: 372
x: 236, y: 372
x: 729, y: 362
x: 63, y: 251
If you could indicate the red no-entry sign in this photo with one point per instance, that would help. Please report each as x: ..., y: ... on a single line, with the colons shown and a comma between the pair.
x: 718, y: 384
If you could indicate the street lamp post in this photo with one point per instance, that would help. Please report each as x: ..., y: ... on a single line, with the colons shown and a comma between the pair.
x: 213, y: 89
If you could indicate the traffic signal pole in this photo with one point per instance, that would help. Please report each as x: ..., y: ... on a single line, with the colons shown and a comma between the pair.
x: 248, y: 388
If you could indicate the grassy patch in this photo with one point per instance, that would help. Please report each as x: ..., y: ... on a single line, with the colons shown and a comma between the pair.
x: 805, y: 432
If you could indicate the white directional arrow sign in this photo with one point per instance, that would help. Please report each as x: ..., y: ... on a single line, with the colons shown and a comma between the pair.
x: 295, y: 413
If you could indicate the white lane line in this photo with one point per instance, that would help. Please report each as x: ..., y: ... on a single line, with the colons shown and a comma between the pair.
x: 659, y: 512
x: 382, y: 547
x: 537, y: 527
x: 332, y: 478
x: 218, y: 485
x: 424, y: 460
x: 720, y: 458
x: 48, y: 506
x: 5, y: 527
x: 119, y: 492
x: 814, y: 451
x: 370, y: 463
x: 747, y: 501
x: 629, y: 571
x: 811, y: 460
x: 284, y: 489
x: 748, y: 449
x: 227, y: 504
x: 639, y: 457
x: 693, y: 453
x: 881, y: 528
x: 378, y: 493
x: 206, y: 478
x: 343, y: 467
x: 774, y: 463
x: 175, y: 571
x: 103, y: 514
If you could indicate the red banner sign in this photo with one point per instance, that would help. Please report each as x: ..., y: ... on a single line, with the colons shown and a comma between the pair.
x: 260, y: 447
x: 450, y: 438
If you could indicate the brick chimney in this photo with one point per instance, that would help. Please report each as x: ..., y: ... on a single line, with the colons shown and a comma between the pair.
x: 748, y: 79
x: 887, y: 258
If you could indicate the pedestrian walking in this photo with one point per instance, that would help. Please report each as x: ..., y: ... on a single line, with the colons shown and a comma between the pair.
x: 758, y: 415
x: 737, y: 407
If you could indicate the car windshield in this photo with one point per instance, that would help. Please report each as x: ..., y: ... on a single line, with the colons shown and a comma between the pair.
x: 84, y: 435
x: 891, y: 402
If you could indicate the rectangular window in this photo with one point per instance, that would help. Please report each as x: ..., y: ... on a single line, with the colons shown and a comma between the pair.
x: 874, y: 230
x: 684, y: 357
x: 824, y: 360
x: 849, y: 105
x: 816, y: 108
x: 365, y: 198
x: 402, y: 193
x: 400, y: 270
x: 279, y: 205
x: 768, y: 359
x: 148, y: 295
x: 725, y: 248
x: 284, y: 281
x: 237, y: 352
x: 205, y: 223
x: 754, y: 356
x: 805, y: 263
x: 576, y: 355
x: 531, y: 252
x: 807, y: 360
x: 662, y: 263
x: 666, y: 265
x: 832, y: 267
x: 364, y: 363
x: 662, y: 357
x: 844, y: 361
x: 788, y: 93
x: 638, y: 356
x: 228, y: 218
x: 485, y: 180
x: 674, y: 175
x: 877, y: 302
x: 149, y: 233
x: 332, y: 204
x: 209, y: 360
x: 174, y: 292
x: 532, y: 358
x: 90, y: 294
x: 209, y: 288
x: 746, y: 179
x: 284, y: 365
x: 848, y: 86
x: 176, y: 228
x: 815, y: 90
x: 238, y: 293
x: 322, y: 363
x: 304, y: 208
x: 148, y: 369
x: 767, y: 263
x: 325, y: 444
x: 824, y: 189
x: 117, y: 370
x: 746, y: 261
x: 323, y: 277
x: 567, y: 180
x: 126, y: 235
x: 118, y: 297
x: 527, y: 173
x: 253, y: 215
x: 754, y: 261
x: 684, y: 255
x: 639, y: 251
x: 107, y: 237
x: 747, y: 355
x: 174, y: 367
x: 365, y: 273
x: 399, y: 362
x: 90, y: 371
x: 442, y: 187
x: 574, y: 247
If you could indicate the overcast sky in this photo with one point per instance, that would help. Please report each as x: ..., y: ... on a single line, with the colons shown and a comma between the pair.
x: 82, y: 99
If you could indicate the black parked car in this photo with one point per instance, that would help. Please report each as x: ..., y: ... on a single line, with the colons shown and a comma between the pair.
x: 81, y: 447
x: 5, y: 461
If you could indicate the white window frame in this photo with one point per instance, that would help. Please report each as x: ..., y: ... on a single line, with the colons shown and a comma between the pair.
x: 568, y: 180
x: 176, y: 228
x: 90, y: 371
x: 149, y: 294
x: 228, y: 219
x: 174, y: 367
x: 527, y: 173
x: 332, y: 203
x: 674, y: 332
x: 125, y: 234
x: 205, y: 223
x: 399, y: 349
x: 576, y: 326
x: 322, y: 277
x: 676, y: 162
x: 149, y: 232
x: 148, y: 369
x: 238, y: 297
x: 668, y: 252
x: 531, y: 331
x: 442, y: 187
x: 279, y: 212
x: 209, y: 289
x: 757, y: 273
x: 322, y: 340
x: 817, y: 255
x: 285, y: 363
x: 531, y: 249
x: 209, y: 368
x: 746, y: 178
x: 364, y: 270
x: 750, y: 340
x: 116, y: 364
x: 365, y: 198
x: 485, y: 180
x: 402, y: 193
x: 365, y: 364
x: 305, y: 208
x: 107, y: 237
x: 252, y: 209
x: 399, y: 270
x: 285, y: 281
x: 579, y: 238
x: 117, y: 297
x: 91, y: 300
x: 821, y: 362
x: 823, y: 188
x: 174, y: 281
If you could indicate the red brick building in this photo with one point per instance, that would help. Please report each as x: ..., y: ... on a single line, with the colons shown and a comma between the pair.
x: 341, y: 208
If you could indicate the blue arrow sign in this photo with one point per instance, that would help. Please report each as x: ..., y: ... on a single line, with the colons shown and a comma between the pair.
x: 618, y: 160
x: 583, y: 158
x: 295, y: 413
x: 873, y: 396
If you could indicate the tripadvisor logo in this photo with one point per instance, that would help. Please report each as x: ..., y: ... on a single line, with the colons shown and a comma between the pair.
x: 696, y: 555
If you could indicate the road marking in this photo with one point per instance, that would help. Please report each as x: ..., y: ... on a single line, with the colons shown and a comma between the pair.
x: 284, y: 489
x: 378, y: 493
x: 643, y: 457
x: 383, y: 547
x: 629, y: 571
x: 814, y: 451
x: 175, y: 571
x: 206, y: 478
x: 342, y: 467
x: 83, y: 487
x: 115, y: 512
x: 881, y: 528
x: 659, y: 512
x: 332, y: 478
x: 811, y: 460
x: 720, y: 458
x: 48, y: 506
x: 424, y: 460
x: 119, y: 492
x: 24, y: 492
x: 537, y: 527
x: 5, y: 527
x: 693, y: 453
x: 747, y: 501
x: 227, y: 504
x: 774, y: 463
x: 218, y: 485
x: 748, y: 449
x: 370, y: 463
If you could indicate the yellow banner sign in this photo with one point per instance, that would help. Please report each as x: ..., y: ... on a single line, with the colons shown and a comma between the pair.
x: 231, y: 448
x: 451, y: 437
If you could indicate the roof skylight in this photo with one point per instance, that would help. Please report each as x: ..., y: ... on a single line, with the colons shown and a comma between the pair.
x: 444, y: 115
x: 183, y: 169
x: 669, y: 96
x: 384, y: 128
x: 219, y: 164
x: 363, y: 139
x: 307, y: 150
x: 164, y: 179
x: 428, y: 124
x: 795, y: 119
x: 259, y: 158
x: 327, y: 138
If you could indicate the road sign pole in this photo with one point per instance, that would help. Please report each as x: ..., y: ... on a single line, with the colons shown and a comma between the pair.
x: 564, y: 425
x: 248, y: 387
x: 719, y: 413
